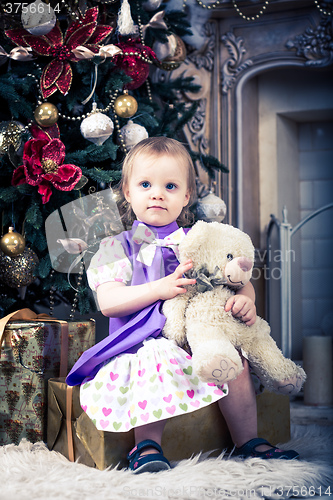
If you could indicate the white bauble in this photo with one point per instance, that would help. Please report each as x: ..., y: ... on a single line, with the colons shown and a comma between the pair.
x: 211, y: 208
x: 132, y: 133
x: 39, y: 18
x: 151, y: 5
x: 97, y: 128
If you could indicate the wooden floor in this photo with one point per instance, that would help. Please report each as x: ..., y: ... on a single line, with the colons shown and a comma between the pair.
x: 301, y: 414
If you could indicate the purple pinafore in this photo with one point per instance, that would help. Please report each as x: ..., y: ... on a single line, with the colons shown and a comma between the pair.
x: 135, y: 376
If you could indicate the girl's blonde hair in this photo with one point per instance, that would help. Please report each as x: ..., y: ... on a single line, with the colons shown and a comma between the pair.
x: 158, y: 146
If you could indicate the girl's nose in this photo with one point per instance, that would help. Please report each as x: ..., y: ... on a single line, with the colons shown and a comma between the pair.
x: 157, y: 194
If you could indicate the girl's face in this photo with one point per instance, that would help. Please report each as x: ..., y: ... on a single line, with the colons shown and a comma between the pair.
x: 157, y: 189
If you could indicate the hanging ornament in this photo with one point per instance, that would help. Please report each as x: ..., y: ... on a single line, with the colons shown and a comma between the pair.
x: 125, y: 22
x: 134, y: 62
x: 151, y: 5
x: 10, y: 133
x: 211, y: 208
x: 18, y: 271
x: 125, y: 106
x: 97, y: 127
x: 46, y: 114
x: 38, y: 18
x: 132, y: 133
x: 12, y: 243
x: 170, y: 54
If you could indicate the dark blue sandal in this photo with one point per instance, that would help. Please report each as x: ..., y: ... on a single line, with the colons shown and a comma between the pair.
x: 248, y: 450
x: 154, y: 462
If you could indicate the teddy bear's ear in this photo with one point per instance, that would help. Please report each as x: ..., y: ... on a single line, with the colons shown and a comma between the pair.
x: 197, y: 236
x: 191, y: 243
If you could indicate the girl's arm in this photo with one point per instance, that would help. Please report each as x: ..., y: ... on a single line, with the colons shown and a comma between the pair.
x: 115, y: 299
x: 242, y: 304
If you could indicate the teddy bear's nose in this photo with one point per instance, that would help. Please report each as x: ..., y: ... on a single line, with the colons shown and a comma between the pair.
x: 245, y: 264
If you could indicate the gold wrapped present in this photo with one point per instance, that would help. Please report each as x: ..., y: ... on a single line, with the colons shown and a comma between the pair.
x: 71, y: 432
x: 33, y: 349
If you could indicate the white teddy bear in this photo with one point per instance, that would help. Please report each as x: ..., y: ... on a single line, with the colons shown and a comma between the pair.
x: 223, y: 258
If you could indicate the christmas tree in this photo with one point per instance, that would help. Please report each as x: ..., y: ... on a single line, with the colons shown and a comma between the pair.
x: 75, y: 94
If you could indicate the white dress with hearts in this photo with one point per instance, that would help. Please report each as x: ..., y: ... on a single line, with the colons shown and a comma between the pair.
x: 155, y: 383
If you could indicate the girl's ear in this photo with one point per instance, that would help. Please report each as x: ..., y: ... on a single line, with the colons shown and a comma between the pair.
x: 187, y: 198
x: 126, y: 194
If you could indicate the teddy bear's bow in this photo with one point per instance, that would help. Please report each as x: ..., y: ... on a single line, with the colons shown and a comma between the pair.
x: 206, y: 280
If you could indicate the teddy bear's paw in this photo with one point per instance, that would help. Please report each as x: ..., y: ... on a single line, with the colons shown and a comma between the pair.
x: 219, y: 370
x: 289, y: 386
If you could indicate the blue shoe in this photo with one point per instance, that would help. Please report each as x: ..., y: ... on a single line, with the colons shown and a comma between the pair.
x: 154, y: 462
x: 248, y: 450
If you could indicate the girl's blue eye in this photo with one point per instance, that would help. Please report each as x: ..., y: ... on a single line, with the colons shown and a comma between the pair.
x: 145, y: 184
x: 170, y: 186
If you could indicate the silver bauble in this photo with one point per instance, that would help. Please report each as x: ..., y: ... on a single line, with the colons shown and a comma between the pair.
x: 211, y: 208
x: 38, y: 18
x: 10, y: 134
x: 151, y: 5
x: 18, y: 271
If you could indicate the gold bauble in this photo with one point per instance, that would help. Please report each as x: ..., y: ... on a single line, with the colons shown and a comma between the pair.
x: 125, y: 106
x: 12, y: 243
x: 46, y: 114
x: 10, y: 133
x: 18, y: 271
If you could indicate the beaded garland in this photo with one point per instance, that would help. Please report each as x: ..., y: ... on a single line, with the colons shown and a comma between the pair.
x: 323, y: 11
x: 208, y: 7
x: 71, y: 12
x: 250, y: 18
x: 75, y: 300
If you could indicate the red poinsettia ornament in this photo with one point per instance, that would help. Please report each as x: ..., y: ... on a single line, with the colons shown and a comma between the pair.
x: 43, y: 158
x: 58, y: 75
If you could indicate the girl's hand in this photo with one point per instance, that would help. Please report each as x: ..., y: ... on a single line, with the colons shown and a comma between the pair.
x: 174, y: 283
x: 242, y: 307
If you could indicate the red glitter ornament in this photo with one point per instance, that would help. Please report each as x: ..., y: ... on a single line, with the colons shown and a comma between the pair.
x: 134, y: 63
x: 58, y: 75
x: 43, y: 166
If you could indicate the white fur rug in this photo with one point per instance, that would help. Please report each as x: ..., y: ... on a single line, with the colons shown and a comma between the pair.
x: 32, y: 472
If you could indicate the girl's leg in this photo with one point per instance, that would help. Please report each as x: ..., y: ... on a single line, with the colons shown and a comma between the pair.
x: 152, y: 431
x: 146, y: 457
x: 239, y: 409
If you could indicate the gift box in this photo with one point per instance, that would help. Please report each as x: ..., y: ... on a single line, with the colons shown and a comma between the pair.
x: 32, y: 351
x: 71, y: 432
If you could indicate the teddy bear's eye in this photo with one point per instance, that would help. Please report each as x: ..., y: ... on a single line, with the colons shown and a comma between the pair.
x: 230, y: 256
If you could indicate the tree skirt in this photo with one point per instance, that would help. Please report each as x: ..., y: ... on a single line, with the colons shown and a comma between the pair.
x: 31, y: 471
